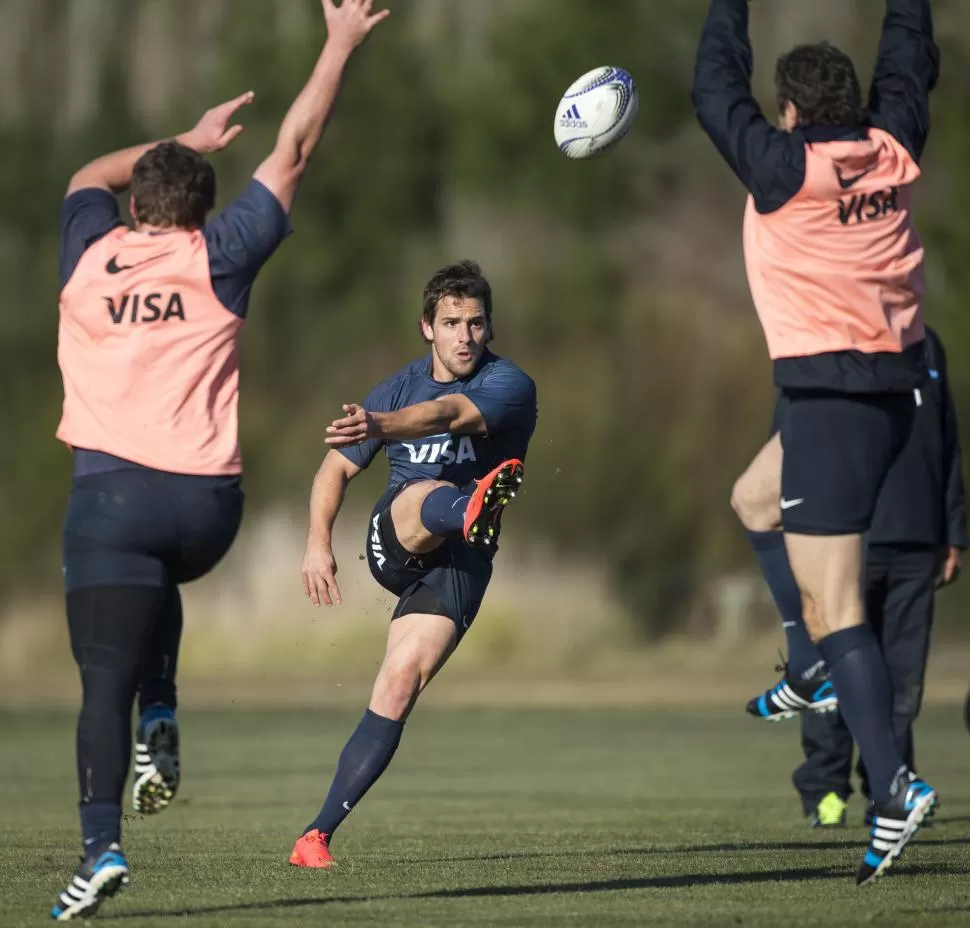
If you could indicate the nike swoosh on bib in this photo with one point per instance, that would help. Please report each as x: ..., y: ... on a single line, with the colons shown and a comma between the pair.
x: 113, y: 267
x: 846, y: 182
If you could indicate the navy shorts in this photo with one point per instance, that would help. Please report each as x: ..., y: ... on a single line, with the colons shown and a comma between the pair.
x: 838, y: 448
x: 145, y: 527
x: 449, y: 581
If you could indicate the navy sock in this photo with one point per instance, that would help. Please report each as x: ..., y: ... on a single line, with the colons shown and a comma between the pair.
x: 859, y: 674
x: 443, y: 510
x: 100, y: 826
x: 364, y: 758
x: 769, y: 548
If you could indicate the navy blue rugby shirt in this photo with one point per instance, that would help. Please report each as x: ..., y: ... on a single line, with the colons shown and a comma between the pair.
x: 239, y: 240
x: 503, y: 393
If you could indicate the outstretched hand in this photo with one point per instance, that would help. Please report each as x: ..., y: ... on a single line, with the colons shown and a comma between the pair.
x: 351, y: 22
x: 320, y: 575
x: 357, y: 426
x: 213, y: 132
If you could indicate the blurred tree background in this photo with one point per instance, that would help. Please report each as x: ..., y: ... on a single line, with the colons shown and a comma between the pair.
x: 619, y: 281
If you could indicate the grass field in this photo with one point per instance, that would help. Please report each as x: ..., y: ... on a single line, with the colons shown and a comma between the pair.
x: 488, y: 817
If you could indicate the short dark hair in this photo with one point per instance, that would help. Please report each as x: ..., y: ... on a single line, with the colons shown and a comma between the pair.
x: 172, y: 185
x: 822, y: 83
x: 463, y: 280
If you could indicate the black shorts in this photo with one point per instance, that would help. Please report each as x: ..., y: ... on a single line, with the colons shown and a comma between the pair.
x: 145, y: 527
x: 449, y: 581
x: 838, y: 448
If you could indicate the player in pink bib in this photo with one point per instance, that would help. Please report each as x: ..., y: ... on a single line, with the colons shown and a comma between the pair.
x: 148, y: 346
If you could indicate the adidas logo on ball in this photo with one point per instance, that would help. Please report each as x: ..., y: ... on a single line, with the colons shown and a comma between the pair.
x: 572, y: 120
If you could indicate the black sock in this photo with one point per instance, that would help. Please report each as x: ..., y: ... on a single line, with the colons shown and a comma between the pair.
x: 769, y: 548
x: 364, y: 758
x: 443, y: 510
x: 100, y: 826
x: 861, y: 681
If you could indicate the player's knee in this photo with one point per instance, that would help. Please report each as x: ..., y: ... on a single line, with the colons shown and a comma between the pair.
x: 757, y: 512
x: 106, y: 686
x: 399, y: 685
x: 738, y: 502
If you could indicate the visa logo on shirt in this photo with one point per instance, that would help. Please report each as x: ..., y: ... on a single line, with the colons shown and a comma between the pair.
x: 441, y: 452
x: 864, y: 207
x: 148, y: 308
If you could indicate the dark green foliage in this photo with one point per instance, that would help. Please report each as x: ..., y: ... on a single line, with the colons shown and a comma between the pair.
x: 618, y: 280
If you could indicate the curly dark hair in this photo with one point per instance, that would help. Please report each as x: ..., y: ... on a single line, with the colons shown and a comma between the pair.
x: 172, y: 185
x: 822, y: 83
x: 463, y: 280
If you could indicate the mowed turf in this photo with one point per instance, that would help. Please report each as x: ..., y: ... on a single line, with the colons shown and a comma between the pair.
x: 487, y: 817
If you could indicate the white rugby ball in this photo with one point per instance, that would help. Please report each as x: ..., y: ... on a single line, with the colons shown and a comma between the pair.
x: 596, y: 111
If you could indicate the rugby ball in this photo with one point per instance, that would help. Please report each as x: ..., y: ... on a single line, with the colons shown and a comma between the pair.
x: 596, y: 111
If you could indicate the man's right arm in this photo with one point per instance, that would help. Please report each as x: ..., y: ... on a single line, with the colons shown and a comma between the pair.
x: 347, y: 26
x: 769, y: 162
x: 326, y: 498
x: 907, y: 69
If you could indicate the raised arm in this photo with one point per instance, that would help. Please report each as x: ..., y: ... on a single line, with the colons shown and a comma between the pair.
x: 907, y: 69
x: 112, y: 172
x: 326, y: 498
x: 347, y: 26
x: 766, y: 160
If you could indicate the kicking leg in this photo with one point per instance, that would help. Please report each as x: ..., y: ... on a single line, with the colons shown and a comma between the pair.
x: 426, y: 513
x: 418, y: 646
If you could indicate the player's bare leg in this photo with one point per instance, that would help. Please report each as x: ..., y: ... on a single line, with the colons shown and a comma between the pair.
x: 418, y: 646
x: 828, y: 570
x: 406, y: 509
x: 756, y: 494
x: 804, y: 684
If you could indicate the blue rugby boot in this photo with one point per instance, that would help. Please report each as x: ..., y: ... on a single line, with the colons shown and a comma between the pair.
x: 895, y: 823
x: 95, y: 880
x: 789, y: 696
x: 157, y: 760
x: 870, y: 814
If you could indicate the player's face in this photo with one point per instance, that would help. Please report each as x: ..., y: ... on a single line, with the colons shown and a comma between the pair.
x: 458, y: 336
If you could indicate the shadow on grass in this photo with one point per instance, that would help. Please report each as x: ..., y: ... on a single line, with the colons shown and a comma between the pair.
x: 850, y: 842
x: 683, y: 881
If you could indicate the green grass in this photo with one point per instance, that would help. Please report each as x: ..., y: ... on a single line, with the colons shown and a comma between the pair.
x: 487, y: 817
